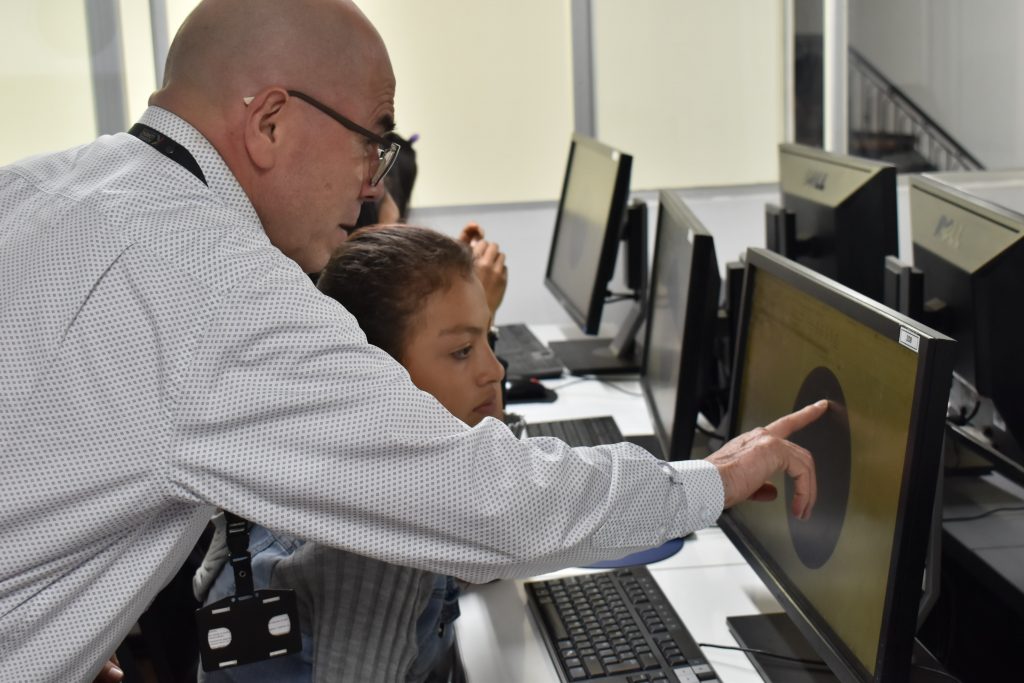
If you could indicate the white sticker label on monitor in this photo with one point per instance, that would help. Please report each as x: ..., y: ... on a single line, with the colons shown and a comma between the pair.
x: 910, y: 339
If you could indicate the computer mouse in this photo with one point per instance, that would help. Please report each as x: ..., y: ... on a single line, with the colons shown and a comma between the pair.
x: 527, y: 390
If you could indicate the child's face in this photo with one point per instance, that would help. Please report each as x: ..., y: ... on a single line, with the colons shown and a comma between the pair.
x: 447, y: 354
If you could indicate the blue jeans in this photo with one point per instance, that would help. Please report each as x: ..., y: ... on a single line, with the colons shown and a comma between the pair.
x: 434, y: 631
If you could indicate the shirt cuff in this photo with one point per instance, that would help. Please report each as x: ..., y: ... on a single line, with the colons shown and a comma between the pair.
x: 702, y: 490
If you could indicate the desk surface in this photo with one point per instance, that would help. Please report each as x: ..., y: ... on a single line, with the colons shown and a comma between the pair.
x: 706, y: 581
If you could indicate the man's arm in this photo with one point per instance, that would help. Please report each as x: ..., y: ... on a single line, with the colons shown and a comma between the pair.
x: 293, y: 421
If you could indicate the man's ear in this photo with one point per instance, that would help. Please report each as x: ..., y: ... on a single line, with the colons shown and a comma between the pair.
x: 261, y: 134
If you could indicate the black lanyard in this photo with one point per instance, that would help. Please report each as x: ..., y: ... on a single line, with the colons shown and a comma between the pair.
x: 237, y: 528
x: 169, y: 148
x: 238, y: 553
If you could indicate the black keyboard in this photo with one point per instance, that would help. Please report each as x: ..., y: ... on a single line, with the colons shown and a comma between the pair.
x: 525, y: 354
x: 615, y: 626
x: 586, y: 431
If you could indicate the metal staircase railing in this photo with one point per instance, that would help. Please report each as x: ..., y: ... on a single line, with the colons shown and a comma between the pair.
x: 881, y: 115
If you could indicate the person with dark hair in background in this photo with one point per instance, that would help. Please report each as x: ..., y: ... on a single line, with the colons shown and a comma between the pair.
x: 393, y: 207
x: 414, y: 292
x: 165, y: 355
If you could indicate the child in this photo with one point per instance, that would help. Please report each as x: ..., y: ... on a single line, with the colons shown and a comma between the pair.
x: 415, y: 295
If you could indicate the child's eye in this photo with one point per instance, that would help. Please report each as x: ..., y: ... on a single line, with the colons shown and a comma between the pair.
x: 463, y: 353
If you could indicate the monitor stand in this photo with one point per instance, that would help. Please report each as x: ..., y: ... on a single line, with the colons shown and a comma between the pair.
x: 592, y: 357
x: 776, y: 633
x: 603, y: 356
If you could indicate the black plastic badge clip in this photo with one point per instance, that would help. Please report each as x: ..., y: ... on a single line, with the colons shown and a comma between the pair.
x: 236, y: 631
x: 250, y: 626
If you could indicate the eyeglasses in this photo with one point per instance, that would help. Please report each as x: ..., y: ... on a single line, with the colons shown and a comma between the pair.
x: 387, y: 151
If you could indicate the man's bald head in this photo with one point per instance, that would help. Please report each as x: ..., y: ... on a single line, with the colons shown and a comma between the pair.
x: 231, y: 72
x: 229, y: 49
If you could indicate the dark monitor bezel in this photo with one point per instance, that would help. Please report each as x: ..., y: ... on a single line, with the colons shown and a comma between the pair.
x: 589, y: 320
x: 698, y: 336
x: 976, y: 291
x: 987, y: 212
x: 853, y: 241
x: 920, y: 476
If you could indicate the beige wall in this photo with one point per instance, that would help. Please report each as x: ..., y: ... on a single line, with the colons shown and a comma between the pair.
x: 488, y: 86
x: 137, y: 38
x: 692, y: 88
x: 44, y: 77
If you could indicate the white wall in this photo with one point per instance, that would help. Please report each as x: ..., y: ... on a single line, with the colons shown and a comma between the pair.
x: 488, y: 86
x: 693, y: 89
x: 44, y: 77
x: 959, y: 61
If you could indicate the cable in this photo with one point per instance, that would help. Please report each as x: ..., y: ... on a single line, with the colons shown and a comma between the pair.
x: 569, y: 382
x: 937, y: 671
x: 811, y: 662
x: 960, y: 417
x: 969, y: 518
x: 709, y: 433
x: 614, y: 386
x: 765, y: 653
x: 974, y: 411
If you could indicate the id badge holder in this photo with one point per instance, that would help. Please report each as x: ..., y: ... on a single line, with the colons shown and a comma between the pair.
x: 251, y: 625
x: 241, y: 630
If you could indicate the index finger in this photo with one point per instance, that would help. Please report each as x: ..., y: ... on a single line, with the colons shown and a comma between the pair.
x: 794, y: 422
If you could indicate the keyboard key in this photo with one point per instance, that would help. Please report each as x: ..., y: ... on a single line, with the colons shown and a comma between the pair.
x: 625, y: 666
x: 576, y: 673
x: 593, y: 666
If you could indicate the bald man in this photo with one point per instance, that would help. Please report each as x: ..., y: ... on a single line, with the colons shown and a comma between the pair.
x: 166, y: 355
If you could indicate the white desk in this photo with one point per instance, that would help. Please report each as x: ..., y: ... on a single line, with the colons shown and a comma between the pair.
x: 706, y: 581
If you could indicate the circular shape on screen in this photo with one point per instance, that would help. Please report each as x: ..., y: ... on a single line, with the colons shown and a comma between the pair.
x: 828, y: 440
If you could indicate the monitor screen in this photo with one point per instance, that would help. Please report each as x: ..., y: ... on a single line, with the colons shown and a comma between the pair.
x: 587, y: 229
x: 678, y: 368
x: 969, y: 243
x: 850, y: 577
x: 844, y: 213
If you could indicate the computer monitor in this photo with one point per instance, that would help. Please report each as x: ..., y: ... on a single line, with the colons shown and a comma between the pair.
x: 850, y: 577
x: 969, y: 244
x: 838, y: 215
x: 679, y: 372
x: 588, y: 229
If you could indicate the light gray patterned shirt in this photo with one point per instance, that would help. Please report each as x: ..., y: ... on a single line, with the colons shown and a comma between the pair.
x: 160, y: 358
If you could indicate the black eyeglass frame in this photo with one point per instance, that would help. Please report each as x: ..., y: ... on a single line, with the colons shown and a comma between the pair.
x: 387, y: 150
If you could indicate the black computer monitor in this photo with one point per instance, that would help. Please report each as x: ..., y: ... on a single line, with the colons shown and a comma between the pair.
x: 971, y: 253
x: 850, y: 577
x: 590, y: 224
x: 838, y: 215
x: 679, y: 372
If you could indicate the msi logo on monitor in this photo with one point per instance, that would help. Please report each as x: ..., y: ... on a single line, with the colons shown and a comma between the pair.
x: 816, y: 179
